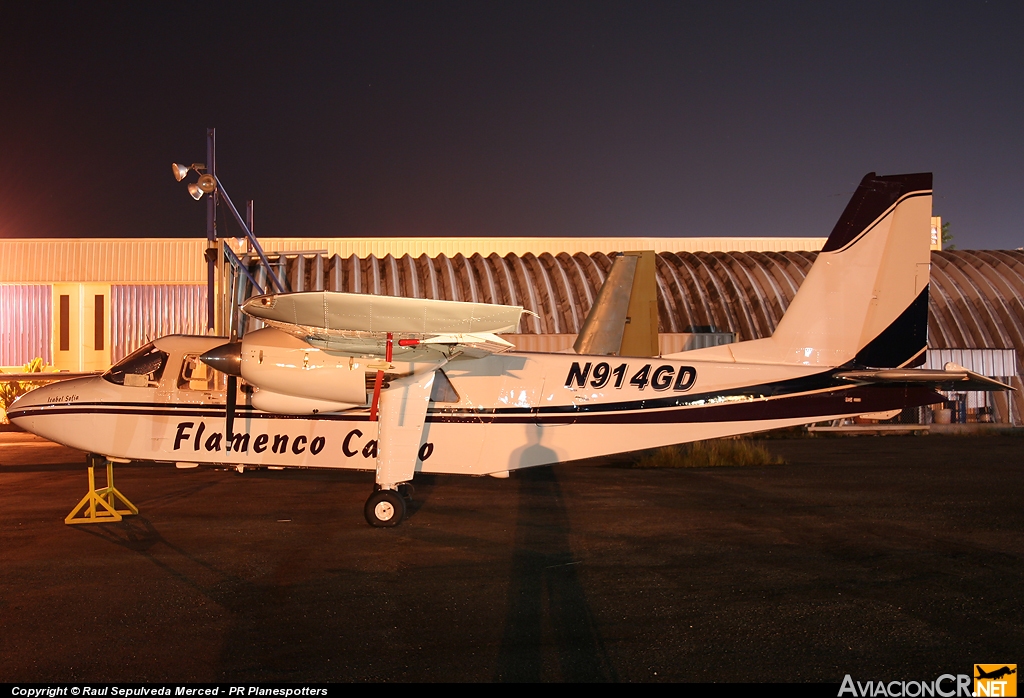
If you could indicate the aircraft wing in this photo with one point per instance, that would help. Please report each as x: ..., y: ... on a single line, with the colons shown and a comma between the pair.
x: 368, y: 313
x: 953, y: 377
x: 358, y: 324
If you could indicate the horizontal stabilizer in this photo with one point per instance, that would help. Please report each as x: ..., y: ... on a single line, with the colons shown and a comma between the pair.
x: 952, y: 378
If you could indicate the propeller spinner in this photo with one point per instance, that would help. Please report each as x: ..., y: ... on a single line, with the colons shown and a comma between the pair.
x: 227, y: 358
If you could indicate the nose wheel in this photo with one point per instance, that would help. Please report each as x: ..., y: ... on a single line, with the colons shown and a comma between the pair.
x: 384, y: 508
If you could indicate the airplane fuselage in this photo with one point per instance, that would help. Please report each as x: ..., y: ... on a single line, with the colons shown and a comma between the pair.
x: 505, y: 412
x: 446, y: 397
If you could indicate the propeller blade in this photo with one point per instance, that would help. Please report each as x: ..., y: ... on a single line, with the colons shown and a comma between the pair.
x: 230, y: 412
x: 227, y: 358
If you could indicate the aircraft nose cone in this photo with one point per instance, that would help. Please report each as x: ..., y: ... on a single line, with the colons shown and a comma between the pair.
x: 227, y: 358
x: 40, y: 411
x: 38, y: 396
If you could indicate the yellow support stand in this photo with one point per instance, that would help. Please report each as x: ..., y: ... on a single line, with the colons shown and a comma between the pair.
x: 100, y: 505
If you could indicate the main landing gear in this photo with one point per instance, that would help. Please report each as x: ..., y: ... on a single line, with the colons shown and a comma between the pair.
x: 385, y: 508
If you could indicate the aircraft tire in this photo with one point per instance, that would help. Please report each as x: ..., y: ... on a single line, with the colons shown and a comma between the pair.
x: 384, y: 508
x: 407, y: 491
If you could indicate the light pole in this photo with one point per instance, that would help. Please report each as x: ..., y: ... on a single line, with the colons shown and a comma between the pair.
x: 211, y: 227
x: 208, y: 183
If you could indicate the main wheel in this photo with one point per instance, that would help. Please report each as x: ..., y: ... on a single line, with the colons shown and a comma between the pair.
x: 384, y: 508
x: 407, y: 491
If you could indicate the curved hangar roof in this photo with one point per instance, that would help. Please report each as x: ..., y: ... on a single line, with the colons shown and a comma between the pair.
x: 976, y: 299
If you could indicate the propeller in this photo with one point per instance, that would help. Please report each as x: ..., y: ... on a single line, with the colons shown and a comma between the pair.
x: 229, y: 414
x: 227, y: 358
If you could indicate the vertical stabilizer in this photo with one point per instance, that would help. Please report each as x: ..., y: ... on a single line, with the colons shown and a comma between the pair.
x: 865, y: 300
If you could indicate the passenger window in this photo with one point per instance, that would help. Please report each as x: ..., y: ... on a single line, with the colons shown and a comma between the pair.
x: 195, y: 375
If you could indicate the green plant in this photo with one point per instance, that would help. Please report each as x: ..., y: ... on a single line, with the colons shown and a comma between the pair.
x: 702, y: 454
x: 947, y: 238
x: 11, y: 389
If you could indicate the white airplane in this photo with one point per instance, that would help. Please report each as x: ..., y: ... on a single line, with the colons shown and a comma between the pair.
x: 403, y: 386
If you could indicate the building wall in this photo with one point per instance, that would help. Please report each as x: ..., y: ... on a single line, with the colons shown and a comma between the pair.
x: 143, y: 313
x: 173, y: 261
x: 110, y: 261
x: 158, y: 286
x: 26, y: 323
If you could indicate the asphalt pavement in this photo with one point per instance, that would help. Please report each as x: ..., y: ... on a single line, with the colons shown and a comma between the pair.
x: 897, y: 558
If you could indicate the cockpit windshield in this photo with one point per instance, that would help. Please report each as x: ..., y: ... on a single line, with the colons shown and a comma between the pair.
x: 140, y: 369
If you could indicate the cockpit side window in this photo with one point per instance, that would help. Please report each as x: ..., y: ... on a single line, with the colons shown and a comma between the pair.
x: 195, y: 375
x: 140, y: 369
x: 443, y: 390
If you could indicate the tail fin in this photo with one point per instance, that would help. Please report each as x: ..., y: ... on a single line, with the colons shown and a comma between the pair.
x: 866, y: 297
x: 865, y: 300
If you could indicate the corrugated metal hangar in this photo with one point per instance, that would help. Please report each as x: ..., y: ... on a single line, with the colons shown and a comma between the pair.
x: 83, y: 304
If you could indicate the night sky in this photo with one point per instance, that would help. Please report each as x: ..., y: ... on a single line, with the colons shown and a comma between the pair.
x: 551, y: 118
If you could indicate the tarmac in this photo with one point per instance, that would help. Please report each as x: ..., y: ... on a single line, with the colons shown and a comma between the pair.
x: 886, y: 558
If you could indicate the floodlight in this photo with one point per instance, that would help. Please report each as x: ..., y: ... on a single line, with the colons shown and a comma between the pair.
x: 207, y: 183
x: 195, y: 191
x: 179, y: 171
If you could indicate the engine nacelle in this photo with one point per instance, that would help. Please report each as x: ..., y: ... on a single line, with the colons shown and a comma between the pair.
x: 276, y: 362
x: 277, y: 403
